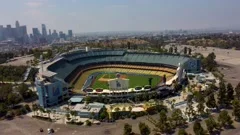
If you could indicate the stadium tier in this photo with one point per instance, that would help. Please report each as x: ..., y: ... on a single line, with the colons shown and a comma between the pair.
x: 72, y: 63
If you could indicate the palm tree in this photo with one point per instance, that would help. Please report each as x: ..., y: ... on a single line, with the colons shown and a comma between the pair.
x: 54, y: 112
x: 173, y: 104
x: 111, y: 107
x: 73, y: 113
x: 92, y: 115
x: 48, y: 112
x: 116, y: 109
x: 130, y: 108
x: 41, y: 110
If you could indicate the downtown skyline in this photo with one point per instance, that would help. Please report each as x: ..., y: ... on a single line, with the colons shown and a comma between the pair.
x: 125, y: 15
x: 19, y: 34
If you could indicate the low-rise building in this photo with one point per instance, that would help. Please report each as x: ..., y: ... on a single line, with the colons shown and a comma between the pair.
x: 91, y: 110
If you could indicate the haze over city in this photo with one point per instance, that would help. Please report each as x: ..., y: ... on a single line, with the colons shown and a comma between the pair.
x: 124, y: 15
x: 119, y: 67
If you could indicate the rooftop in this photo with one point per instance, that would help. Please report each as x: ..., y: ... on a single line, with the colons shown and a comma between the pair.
x: 76, y: 99
x: 48, y: 74
x: 93, y: 107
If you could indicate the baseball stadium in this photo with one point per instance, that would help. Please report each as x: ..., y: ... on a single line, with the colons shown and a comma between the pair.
x: 118, y: 71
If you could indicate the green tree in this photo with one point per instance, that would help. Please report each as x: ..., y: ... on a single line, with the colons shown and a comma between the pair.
x: 209, y: 62
x: 48, y: 112
x: 222, y: 98
x: 27, y: 108
x: 182, y: 131
x: 162, y: 125
x: 200, y: 108
x: 211, y: 102
x: 144, y: 129
x: 88, y: 123
x: 116, y: 109
x: 199, y: 97
x: 177, y: 117
x: 4, y: 91
x: 104, y: 114
x: 23, y: 90
x: 197, y: 128
x: 13, y: 99
x: 3, y: 109
x: 190, y: 112
x: 129, y: 45
x: 185, y: 50
x: 237, y: 91
x: 68, y: 116
x: 230, y: 93
x: 175, y: 50
x: 236, y: 109
x: 224, y: 119
x: 41, y: 109
x: 88, y: 99
x: 170, y: 50
x: 127, y: 129
x: 200, y: 100
x: 211, y: 124
x: 189, y: 51
x: 34, y: 108
x: 73, y: 113
x: 129, y: 108
x: 92, y: 115
x: 49, y: 54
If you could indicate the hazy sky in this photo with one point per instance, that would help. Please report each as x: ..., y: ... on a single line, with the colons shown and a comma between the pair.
x: 121, y: 15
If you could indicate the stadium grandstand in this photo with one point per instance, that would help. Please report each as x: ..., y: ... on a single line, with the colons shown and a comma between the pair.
x: 73, y: 64
x: 113, y: 73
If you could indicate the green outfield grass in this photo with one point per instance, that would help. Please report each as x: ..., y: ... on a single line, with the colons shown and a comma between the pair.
x: 134, y: 80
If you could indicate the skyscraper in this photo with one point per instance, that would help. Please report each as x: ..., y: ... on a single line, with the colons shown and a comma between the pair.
x: 17, y: 24
x: 1, y: 32
x: 36, y: 35
x: 50, y: 32
x: 62, y: 35
x: 70, y: 34
x: 18, y: 34
x: 44, y: 30
x: 17, y: 30
x: 23, y: 30
x: 9, y: 32
x: 54, y: 34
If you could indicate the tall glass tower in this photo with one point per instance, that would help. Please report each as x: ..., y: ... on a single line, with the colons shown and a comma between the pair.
x: 44, y: 30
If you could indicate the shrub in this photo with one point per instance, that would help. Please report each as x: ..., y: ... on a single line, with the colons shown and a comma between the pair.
x: 43, y: 118
x: 9, y: 115
x: 27, y: 108
x: 17, y: 112
x: 88, y: 123
x: 133, y: 116
x: 74, y: 123
x: 79, y: 123
x: 23, y: 110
